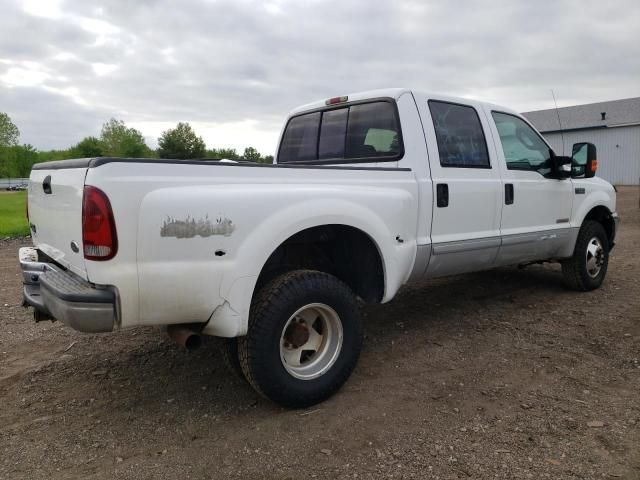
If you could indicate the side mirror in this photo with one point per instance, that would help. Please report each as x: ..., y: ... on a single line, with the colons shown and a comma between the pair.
x: 583, y: 160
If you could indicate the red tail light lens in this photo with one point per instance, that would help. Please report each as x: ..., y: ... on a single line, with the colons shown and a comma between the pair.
x: 99, y: 238
x: 337, y: 100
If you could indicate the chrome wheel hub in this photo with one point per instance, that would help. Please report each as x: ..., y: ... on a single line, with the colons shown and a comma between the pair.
x: 595, y: 257
x: 311, y: 341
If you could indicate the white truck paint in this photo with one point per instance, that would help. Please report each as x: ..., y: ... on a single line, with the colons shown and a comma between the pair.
x: 193, y: 237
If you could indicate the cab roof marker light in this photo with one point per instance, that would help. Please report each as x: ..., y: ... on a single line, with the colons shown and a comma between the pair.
x: 336, y: 100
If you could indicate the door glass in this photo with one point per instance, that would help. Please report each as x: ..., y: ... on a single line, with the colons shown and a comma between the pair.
x: 459, y: 134
x: 523, y: 148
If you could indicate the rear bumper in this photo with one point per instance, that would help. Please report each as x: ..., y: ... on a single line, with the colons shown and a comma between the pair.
x: 62, y: 295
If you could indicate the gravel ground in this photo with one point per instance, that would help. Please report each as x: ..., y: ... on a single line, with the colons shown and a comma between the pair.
x: 502, y: 374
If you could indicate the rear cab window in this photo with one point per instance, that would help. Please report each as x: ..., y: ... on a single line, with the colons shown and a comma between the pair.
x: 299, y: 142
x: 360, y: 132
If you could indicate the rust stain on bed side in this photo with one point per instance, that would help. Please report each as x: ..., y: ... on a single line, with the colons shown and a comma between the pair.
x: 202, y: 227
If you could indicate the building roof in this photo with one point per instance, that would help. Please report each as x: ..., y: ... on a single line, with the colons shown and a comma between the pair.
x: 579, y: 117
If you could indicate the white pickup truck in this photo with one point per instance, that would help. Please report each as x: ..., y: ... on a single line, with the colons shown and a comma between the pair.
x: 369, y: 191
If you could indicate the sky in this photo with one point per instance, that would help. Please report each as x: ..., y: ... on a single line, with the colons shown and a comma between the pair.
x: 234, y: 68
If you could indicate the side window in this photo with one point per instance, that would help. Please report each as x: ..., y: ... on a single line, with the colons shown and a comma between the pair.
x: 461, y: 141
x: 300, y: 139
x: 332, y: 132
x: 523, y: 148
x: 373, y: 131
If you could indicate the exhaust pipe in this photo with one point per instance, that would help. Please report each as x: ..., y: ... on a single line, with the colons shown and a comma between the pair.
x: 184, y: 337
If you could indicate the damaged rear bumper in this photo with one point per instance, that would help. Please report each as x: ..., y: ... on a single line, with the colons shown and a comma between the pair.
x: 59, y: 294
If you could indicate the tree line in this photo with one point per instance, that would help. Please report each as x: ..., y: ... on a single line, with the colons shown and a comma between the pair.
x: 116, y: 140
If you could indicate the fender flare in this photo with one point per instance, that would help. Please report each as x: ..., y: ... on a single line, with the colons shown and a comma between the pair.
x: 231, y: 318
x: 595, y: 199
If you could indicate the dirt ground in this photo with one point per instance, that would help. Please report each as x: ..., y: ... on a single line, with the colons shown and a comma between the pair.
x: 503, y: 374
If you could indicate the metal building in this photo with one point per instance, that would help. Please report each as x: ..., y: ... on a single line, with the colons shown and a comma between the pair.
x: 614, y: 128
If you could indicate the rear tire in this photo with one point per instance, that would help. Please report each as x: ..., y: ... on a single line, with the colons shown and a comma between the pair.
x: 304, y: 338
x: 586, y: 269
x: 229, y: 351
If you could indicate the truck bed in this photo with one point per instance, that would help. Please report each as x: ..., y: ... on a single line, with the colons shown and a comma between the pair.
x: 190, y: 232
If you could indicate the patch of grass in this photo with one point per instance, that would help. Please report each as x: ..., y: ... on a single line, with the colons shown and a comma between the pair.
x: 13, y: 221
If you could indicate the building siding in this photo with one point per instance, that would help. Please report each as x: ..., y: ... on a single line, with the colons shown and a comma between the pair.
x: 618, y: 151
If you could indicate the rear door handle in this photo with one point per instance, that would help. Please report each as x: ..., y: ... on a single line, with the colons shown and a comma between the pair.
x: 508, y: 193
x: 442, y: 195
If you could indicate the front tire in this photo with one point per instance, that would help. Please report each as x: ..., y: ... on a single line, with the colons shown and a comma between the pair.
x: 586, y: 269
x: 304, y: 338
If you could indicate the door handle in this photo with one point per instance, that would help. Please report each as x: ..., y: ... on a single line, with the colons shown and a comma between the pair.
x: 46, y: 184
x: 442, y: 195
x: 508, y: 193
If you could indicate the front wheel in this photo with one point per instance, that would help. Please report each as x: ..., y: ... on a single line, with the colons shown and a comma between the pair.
x: 304, y: 338
x: 586, y: 269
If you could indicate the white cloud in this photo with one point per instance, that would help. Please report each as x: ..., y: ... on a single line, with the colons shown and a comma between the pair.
x: 43, y: 8
x: 23, y: 77
x: 101, y: 69
x: 70, y: 92
x: 105, y: 32
x: 64, y: 56
x: 168, y: 54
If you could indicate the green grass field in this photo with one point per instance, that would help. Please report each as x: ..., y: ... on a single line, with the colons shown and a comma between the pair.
x: 13, y: 221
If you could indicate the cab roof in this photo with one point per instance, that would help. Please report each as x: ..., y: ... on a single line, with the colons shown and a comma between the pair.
x: 396, y: 93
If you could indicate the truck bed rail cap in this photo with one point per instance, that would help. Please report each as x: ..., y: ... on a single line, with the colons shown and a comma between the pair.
x: 96, y: 162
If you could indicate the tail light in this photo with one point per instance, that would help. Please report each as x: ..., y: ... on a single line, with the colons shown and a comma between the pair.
x: 99, y: 238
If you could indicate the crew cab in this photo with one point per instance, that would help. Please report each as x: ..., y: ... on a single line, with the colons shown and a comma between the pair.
x: 369, y: 191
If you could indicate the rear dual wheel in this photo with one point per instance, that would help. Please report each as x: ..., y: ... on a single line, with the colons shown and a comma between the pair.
x: 304, y: 338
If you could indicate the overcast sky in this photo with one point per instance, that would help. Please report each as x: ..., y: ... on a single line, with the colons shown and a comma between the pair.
x: 233, y: 68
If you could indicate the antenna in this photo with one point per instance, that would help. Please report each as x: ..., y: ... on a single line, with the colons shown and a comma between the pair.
x: 559, y: 122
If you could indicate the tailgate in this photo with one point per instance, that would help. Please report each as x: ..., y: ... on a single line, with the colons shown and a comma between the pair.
x: 55, y: 215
